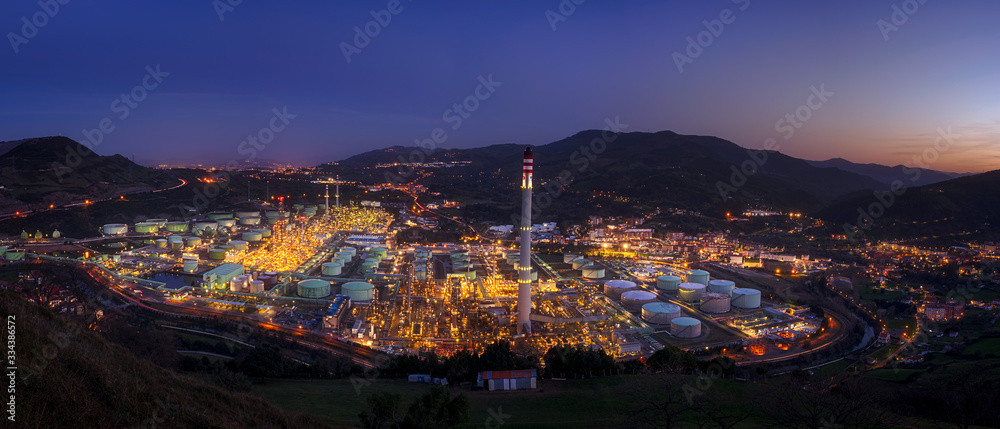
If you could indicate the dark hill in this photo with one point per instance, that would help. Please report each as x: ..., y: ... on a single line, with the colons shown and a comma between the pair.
x: 632, y: 170
x: 77, y: 379
x: 885, y: 174
x: 57, y: 170
x: 964, y: 206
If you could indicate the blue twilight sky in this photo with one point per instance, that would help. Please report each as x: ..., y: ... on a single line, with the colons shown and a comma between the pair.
x: 938, y: 69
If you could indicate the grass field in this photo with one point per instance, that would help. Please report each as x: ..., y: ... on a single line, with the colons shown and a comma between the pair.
x: 892, y: 374
x: 900, y: 323
x: 594, y: 403
x: 884, y: 352
x: 831, y: 370
x: 987, y: 345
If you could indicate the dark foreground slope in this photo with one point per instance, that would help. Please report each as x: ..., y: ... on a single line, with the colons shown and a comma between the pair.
x: 70, y: 377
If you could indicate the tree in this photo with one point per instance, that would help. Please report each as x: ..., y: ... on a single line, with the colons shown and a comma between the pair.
x: 437, y: 409
x: 263, y: 361
x: 672, y: 359
x: 384, y: 411
x: 659, y: 411
x: 498, y: 357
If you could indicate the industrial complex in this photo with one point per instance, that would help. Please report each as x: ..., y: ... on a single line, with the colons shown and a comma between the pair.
x: 340, y: 271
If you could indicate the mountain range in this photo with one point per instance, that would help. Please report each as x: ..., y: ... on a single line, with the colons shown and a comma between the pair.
x: 595, y: 172
x: 591, y: 172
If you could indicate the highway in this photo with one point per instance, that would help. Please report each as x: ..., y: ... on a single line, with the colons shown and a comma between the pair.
x: 19, y: 214
x: 365, y: 357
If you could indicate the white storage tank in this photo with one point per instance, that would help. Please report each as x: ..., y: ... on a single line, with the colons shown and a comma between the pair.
x: 579, y: 263
x: 615, y: 288
x: 569, y: 257
x: 161, y: 243
x: 252, y: 236
x: 217, y: 254
x: 160, y: 223
x: 206, y: 224
x: 190, y: 265
x: 358, y: 291
x: 193, y: 241
x: 257, y: 286
x: 714, y: 302
x: 660, y: 313
x: 239, y: 244
x: 746, y: 298
x: 588, y: 271
x: 345, y: 255
x: 668, y: 283
x: 247, y: 213
x: 115, y: 229
x: 332, y: 269
x: 176, y: 226
x: 690, y: 292
x: 698, y: 276
x: 313, y: 288
x: 685, y: 327
x: 721, y: 286
x: 633, y: 300
x: 235, y: 285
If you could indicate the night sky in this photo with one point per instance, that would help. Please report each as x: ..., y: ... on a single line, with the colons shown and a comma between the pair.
x: 938, y: 69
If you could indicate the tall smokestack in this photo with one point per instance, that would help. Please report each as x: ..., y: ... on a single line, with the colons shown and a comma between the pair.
x: 327, y: 201
x: 338, y: 191
x: 524, y: 268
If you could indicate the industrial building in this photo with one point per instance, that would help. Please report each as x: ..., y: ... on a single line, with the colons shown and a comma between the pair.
x: 221, y: 276
x: 335, y: 313
x: 508, y: 380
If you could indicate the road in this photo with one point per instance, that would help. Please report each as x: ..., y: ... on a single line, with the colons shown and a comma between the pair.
x: 365, y: 357
x: 471, y: 228
x: 19, y: 214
